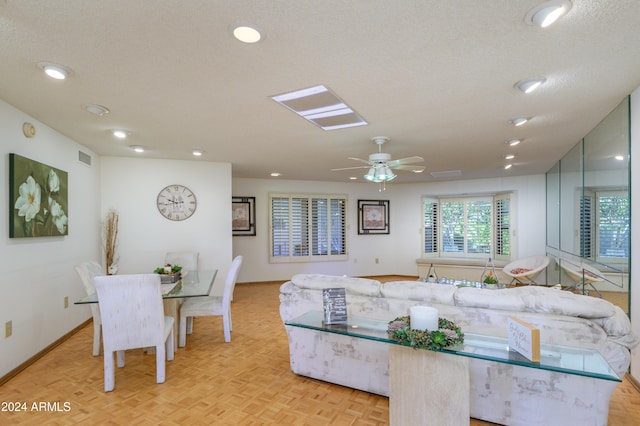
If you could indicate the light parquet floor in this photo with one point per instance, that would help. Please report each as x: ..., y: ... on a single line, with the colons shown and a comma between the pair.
x: 245, y: 382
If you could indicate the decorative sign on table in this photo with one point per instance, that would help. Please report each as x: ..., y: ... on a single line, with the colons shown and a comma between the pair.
x: 524, y: 339
x: 335, y: 305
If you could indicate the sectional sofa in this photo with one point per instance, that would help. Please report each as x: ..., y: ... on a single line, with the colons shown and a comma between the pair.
x: 500, y: 393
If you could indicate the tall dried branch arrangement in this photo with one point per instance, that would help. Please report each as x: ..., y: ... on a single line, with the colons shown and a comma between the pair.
x: 111, y: 240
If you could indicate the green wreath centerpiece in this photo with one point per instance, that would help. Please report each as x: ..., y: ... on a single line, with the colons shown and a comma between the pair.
x: 448, y: 334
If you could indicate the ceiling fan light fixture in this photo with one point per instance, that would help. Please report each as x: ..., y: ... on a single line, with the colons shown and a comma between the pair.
x: 547, y: 13
x: 528, y: 86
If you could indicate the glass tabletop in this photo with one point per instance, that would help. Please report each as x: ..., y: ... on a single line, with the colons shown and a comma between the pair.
x: 563, y: 359
x: 192, y: 284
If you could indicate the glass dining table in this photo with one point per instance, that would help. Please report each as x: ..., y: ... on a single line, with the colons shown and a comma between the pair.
x: 192, y: 284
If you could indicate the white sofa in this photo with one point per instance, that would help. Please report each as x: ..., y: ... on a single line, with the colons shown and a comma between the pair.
x: 500, y: 393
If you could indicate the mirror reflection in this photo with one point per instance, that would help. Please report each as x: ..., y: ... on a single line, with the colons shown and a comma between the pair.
x: 588, y: 211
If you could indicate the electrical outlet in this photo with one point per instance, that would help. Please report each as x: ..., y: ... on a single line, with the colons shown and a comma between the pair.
x: 377, y: 260
x: 355, y: 260
x: 66, y: 302
x: 8, y: 329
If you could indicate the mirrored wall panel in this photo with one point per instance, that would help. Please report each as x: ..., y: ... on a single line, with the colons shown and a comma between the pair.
x: 588, y: 210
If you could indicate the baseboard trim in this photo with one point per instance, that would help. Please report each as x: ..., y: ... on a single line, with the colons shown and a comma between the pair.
x: 10, y: 375
x: 634, y: 382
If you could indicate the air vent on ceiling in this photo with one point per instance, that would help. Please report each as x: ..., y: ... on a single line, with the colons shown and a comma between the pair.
x: 446, y: 174
x: 85, y: 158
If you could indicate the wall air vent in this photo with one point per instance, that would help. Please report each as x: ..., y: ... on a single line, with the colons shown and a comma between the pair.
x: 85, y: 158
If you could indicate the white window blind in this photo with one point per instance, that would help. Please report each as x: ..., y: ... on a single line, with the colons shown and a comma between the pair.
x: 307, y: 227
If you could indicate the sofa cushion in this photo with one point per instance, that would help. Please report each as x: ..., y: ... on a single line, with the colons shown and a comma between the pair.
x: 419, y: 290
x: 360, y: 286
x: 535, y: 299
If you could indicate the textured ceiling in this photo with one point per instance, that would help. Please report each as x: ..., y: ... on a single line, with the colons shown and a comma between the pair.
x: 436, y: 77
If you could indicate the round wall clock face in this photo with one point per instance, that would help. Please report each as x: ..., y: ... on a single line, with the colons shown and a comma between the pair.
x: 176, y: 202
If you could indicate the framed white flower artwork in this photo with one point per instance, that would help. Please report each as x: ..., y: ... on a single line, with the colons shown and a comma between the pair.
x: 373, y: 216
x: 38, y: 199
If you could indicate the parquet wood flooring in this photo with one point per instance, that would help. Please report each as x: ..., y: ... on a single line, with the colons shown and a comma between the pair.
x: 245, y: 382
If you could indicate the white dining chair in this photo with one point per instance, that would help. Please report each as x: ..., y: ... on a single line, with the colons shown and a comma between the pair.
x: 133, y: 317
x: 210, y: 306
x: 87, y: 272
x: 187, y: 259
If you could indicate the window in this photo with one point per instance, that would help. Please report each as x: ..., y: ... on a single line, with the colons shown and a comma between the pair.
x: 307, y: 228
x: 604, y: 226
x: 467, y: 227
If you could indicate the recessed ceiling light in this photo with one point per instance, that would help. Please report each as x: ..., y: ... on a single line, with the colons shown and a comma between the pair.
x: 246, y: 33
x: 509, y: 156
x: 98, y: 110
x: 619, y: 157
x: 197, y: 152
x: 275, y: 174
x: 120, y: 134
x: 54, y: 70
x: 137, y: 148
x: 528, y: 86
x: 508, y: 166
x: 518, y: 121
x: 353, y: 177
x: 547, y: 13
x: 513, y: 142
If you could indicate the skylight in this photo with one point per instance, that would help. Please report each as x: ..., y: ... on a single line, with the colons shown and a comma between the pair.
x: 322, y: 107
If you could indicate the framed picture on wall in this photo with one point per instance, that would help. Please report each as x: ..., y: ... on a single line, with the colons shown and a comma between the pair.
x: 243, y: 214
x: 38, y: 199
x: 373, y: 216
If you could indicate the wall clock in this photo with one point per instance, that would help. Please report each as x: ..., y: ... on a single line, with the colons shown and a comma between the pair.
x: 176, y: 202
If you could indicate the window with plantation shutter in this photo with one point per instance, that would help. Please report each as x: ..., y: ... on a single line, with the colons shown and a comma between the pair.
x: 604, y: 226
x: 467, y: 227
x: 307, y: 227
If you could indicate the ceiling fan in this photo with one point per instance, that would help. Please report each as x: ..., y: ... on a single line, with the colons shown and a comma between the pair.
x: 381, y: 165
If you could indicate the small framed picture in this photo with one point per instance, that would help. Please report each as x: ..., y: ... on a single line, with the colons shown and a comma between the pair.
x: 373, y: 216
x: 243, y: 214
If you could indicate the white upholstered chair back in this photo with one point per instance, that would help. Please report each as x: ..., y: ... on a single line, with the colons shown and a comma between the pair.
x: 187, y: 259
x: 87, y: 272
x: 133, y: 317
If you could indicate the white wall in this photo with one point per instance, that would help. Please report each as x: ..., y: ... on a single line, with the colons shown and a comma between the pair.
x: 131, y: 186
x: 634, y: 296
x: 37, y: 273
x: 398, y: 251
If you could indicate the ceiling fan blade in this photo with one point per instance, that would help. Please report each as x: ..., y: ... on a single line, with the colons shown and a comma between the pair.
x: 359, y: 159
x: 416, y: 169
x: 407, y: 160
x: 350, y: 168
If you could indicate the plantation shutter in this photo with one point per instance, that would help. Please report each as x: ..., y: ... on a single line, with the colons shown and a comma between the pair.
x: 503, y: 226
x: 305, y: 227
x: 430, y: 225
